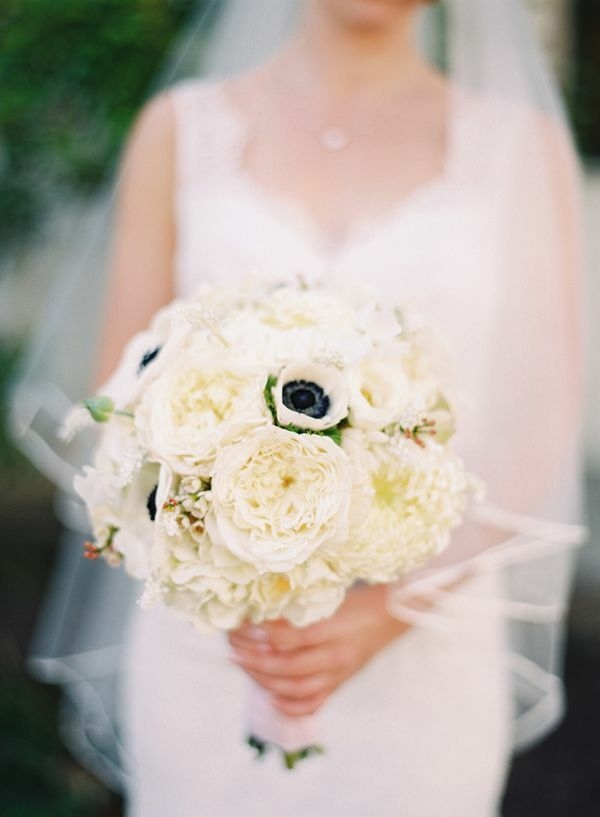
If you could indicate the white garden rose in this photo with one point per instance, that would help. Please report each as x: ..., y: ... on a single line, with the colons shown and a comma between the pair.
x: 379, y: 390
x: 278, y: 496
x: 184, y: 413
x: 209, y: 585
x: 310, y: 395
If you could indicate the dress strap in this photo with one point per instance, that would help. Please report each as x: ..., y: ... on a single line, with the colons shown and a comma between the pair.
x: 209, y: 137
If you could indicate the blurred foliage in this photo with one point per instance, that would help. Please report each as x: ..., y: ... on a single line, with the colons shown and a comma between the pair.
x: 37, y: 777
x: 9, y: 359
x: 585, y: 95
x: 72, y: 74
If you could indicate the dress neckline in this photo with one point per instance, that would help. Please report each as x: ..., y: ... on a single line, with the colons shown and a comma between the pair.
x: 292, y: 213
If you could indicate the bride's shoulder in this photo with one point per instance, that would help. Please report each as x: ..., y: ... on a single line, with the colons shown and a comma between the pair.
x: 515, y: 125
x: 179, y: 107
x: 158, y: 115
x: 192, y: 88
x: 152, y: 134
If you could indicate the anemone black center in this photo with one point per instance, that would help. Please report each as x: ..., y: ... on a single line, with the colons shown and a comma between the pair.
x: 151, y: 503
x: 305, y: 397
x: 148, y: 358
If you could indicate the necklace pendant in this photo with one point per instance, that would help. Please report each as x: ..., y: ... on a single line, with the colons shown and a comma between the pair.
x: 333, y: 139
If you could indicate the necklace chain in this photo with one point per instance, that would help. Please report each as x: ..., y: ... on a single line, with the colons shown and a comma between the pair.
x: 332, y: 136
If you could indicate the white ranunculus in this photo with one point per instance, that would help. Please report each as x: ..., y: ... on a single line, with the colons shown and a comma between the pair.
x: 310, y: 395
x: 379, y: 390
x: 184, y: 413
x: 278, y: 496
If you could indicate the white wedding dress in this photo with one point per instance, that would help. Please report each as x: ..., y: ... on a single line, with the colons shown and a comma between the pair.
x: 424, y: 729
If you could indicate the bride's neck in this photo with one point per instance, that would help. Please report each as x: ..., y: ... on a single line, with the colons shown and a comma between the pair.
x: 345, y: 60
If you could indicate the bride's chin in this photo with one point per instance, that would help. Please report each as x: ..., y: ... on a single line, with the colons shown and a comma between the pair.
x: 368, y: 14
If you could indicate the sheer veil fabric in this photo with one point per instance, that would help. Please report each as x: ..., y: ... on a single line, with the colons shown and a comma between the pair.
x: 511, y: 162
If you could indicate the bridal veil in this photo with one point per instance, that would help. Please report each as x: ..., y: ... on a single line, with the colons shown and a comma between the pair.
x: 522, y: 436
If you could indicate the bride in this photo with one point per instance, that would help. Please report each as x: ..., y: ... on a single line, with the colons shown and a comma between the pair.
x: 348, y: 156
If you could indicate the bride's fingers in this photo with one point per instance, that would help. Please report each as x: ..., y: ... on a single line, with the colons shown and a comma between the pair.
x: 307, y: 661
x: 298, y: 708
x: 306, y: 686
x: 283, y: 636
x: 293, y: 638
x: 240, y: 642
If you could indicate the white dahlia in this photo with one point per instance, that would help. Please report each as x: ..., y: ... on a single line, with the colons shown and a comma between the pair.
x: 405, y: 501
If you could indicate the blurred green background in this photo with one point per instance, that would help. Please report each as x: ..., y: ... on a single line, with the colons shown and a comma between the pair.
x: 73, y: 73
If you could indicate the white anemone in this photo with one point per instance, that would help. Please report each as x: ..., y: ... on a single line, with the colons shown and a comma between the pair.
x: 311, y: 395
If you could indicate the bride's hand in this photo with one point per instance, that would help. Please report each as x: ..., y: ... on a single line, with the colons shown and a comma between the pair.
x: 301, y: 667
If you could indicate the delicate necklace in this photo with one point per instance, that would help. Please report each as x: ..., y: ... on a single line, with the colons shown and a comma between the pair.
x: 334, y: 137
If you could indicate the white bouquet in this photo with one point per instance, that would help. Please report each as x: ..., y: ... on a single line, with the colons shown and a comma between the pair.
x: 265, y: 449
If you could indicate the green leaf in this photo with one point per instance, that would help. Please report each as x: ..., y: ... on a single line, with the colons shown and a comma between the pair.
x: 291, y: 759
x: 268, y: 394
x: 334, y: 434
x: 101, y: 408
x: 260, y: 746
x: 297, y: 429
